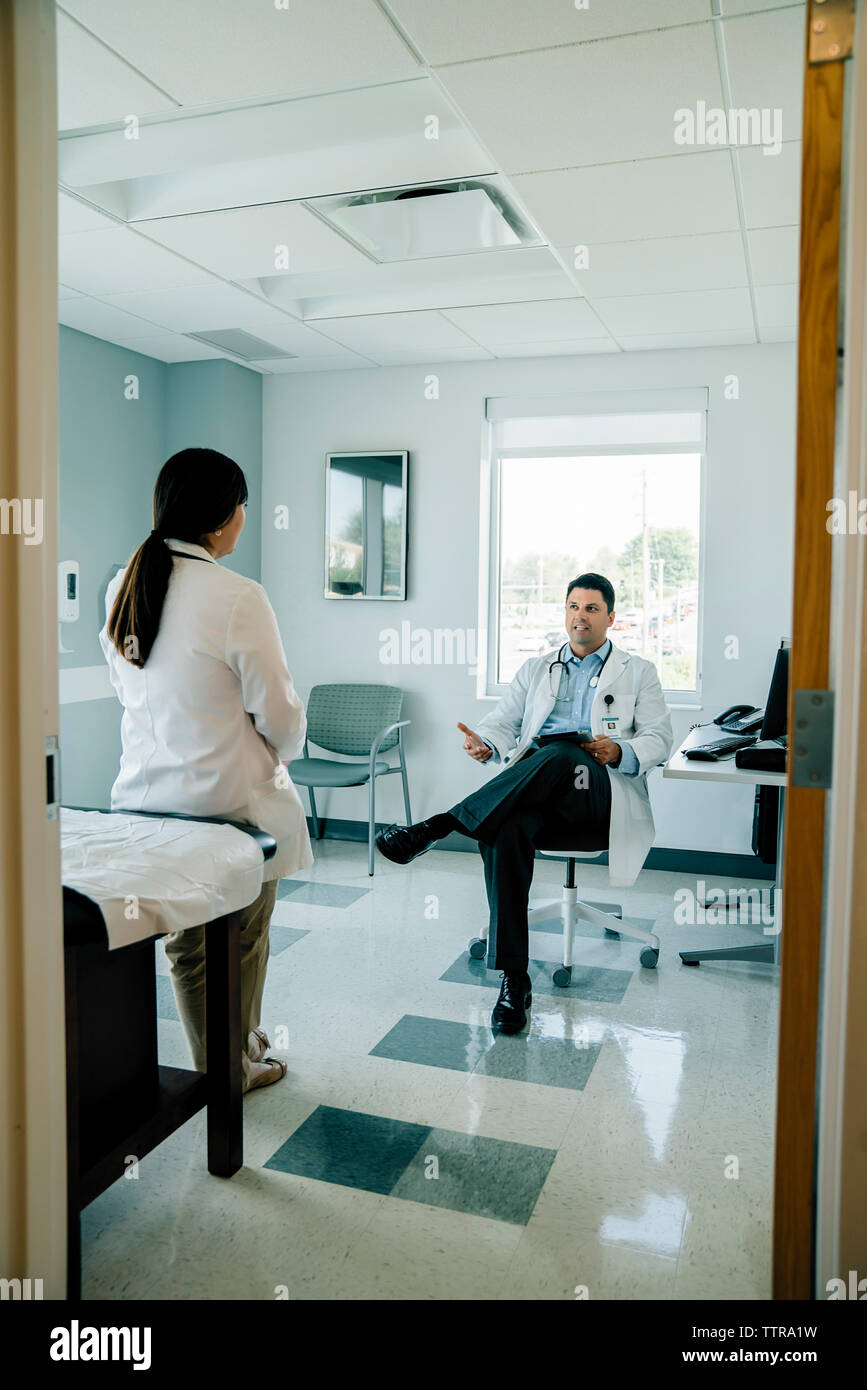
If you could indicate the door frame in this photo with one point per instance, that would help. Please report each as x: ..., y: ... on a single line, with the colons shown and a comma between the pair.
x: 841, y: 1216
x: 803, y: 876
x: 33, y: 1079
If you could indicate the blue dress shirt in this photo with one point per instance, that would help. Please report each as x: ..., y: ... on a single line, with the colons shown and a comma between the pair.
x: 572, y: 711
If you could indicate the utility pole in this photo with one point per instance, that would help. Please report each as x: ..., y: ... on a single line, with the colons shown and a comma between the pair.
x: 645, y: 566
x: 661, y: 566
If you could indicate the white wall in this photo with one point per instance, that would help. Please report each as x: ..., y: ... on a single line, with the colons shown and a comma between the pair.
x: 749, y: 505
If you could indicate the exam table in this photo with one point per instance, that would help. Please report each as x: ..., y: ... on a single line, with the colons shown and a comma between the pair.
x: 129, y: 878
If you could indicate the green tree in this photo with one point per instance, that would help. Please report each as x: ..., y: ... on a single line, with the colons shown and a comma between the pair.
x: 676, y: 545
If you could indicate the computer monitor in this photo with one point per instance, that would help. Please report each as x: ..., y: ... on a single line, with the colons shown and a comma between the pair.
x: 776, y: 708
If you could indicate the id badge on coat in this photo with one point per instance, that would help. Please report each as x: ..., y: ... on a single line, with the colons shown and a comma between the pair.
x: 609, y: 725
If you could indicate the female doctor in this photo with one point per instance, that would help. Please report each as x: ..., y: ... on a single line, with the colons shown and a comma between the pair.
x: 210, y: 712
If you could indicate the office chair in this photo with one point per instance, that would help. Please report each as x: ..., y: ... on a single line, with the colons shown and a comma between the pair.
x: 353, y: 720
x: 571, y: 908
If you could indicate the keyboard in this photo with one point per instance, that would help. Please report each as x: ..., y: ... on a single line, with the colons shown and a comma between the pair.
x: 721, y: 748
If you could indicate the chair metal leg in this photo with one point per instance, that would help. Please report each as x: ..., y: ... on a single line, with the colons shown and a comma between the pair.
x: 405, y: 785
x: 371, y: 826
x: 317, y: 833
x: 570, y: 898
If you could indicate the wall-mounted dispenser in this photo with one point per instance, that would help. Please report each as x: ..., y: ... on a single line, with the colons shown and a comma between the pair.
x: 67, y: 591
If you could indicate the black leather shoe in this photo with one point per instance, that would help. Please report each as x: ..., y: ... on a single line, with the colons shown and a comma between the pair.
x: 510, y: 1010
x: 402, y: 843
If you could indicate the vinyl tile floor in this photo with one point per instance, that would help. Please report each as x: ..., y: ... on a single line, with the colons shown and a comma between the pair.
x: 621, y: 1147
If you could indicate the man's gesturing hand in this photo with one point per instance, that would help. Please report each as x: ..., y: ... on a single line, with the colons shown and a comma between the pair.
x: 475, y: 746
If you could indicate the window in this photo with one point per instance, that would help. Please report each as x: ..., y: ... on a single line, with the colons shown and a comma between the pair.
x: 617, y: 491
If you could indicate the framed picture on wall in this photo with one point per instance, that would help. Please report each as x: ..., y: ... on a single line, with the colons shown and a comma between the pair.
x: 366, y: 524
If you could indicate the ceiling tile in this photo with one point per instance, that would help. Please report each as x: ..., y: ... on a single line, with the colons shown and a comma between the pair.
x: 102, y: 320
x: 766, y: 64
x: 684, y: 194
x: 455, y: 30
x: 780, y: 335
x: 774, y: 255
x: 629, y: 91
x: 168, y: 348
x: 196, y: 310
x: 566, y: 347
x: 64, y: 292
x: 696, y: 312
x: 718, y: 338
x: 777, y: 306
x: 772, y: 186
x: 118, y: 261
x: 668, y: 264
x: 94, y: 86
x: 219, y: 50
x: 747, y: 6
x: 345, y: 362
x: 240, y: 243
x: 390, y: 333
x: 76, y: 216
x: 283, y: 333
x: 540, y: 321
x: 418, y: 357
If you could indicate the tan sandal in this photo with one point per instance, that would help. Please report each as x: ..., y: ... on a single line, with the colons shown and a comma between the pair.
x: 259, y: 1046
x: 276, y: 1071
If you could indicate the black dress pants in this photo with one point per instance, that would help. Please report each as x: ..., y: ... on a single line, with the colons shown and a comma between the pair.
x: 535, y: 802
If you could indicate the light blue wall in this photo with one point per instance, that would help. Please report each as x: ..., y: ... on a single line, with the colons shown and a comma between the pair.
x: 111, y: 450
x: 218, y: 405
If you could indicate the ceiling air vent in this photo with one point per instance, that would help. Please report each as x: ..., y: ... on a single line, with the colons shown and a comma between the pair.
x: 241, y: 344
x: 452, y: 219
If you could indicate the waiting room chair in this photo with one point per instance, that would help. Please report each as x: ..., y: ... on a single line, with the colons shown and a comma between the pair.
x: 353, y: 720
x: 571, y: 908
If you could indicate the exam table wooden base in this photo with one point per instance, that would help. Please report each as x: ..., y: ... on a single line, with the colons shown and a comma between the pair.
x: 120, y: 1102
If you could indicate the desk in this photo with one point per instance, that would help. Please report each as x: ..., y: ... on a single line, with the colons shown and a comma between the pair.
x: 720, y: 772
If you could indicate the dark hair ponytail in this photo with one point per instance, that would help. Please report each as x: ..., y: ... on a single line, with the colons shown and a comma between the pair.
x: 197, y: 491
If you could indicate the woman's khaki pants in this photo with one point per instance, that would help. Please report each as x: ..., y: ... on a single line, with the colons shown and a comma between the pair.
x: 186, y: 954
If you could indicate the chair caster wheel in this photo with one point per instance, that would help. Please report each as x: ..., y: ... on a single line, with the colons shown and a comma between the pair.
x: 477, y: 948
x: 649, y: 956
x: 615, y: 934
x: 562, y: 975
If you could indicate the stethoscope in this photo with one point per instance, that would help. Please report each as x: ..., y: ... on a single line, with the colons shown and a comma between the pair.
x: 594, y: 680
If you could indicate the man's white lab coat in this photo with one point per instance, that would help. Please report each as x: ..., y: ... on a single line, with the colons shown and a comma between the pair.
x: 213, y: 712
x: 636, y: 712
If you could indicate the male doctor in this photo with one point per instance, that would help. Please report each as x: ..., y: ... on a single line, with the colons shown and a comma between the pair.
x: 576, y: 734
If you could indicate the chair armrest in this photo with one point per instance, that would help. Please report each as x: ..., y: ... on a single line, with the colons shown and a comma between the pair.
x: 380, y: 739
x: 266, y: 842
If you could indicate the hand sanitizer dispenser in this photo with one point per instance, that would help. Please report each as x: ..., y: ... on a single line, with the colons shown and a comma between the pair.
x: 67, y: 591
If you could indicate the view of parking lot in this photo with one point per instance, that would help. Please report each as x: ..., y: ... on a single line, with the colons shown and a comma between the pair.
x: 634, y: 519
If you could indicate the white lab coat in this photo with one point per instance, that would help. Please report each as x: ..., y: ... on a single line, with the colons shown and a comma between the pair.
x: 642, y: 719
x: 213, y: 712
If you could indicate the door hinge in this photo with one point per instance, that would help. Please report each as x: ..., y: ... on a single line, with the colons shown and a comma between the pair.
x: 832, y: 30
x: 812, y: 740
x: 52, y: 777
